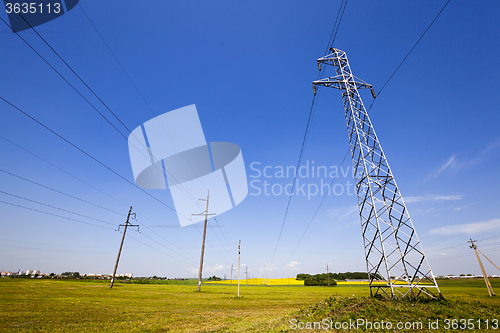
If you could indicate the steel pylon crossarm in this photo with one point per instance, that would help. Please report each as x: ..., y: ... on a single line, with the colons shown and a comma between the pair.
x: 396, y: 264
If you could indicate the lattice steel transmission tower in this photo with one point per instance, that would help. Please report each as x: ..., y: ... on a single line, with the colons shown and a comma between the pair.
x: 396, y: 264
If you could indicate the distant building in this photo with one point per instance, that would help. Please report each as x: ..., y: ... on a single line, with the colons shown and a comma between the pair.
x: 129, y: 275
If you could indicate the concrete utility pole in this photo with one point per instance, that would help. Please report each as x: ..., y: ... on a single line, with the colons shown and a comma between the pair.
x: 203, y: 243
x: 488, y: 259
x: 121, y: 244
x: 486, y: 280
x: 239, y: 254
x: 231, y: 283
x: 246, y: 273
x: 328, y: 275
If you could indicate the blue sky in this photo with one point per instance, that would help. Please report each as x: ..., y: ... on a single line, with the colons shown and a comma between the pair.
x: 248, y: 67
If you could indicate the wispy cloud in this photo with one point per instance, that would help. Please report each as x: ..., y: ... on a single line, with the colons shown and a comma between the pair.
x: 344, y: 217
x: 293, y: 266
x: 340, y: 213
x: 433, y: 197
x: 455, y: 164
x: 449, y: 164
x: 464, y: 207
x: 467, y: 229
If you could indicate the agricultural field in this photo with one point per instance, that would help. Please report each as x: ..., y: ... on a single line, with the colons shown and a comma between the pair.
x: 39, y: 305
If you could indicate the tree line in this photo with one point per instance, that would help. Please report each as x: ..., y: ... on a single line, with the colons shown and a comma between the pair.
x: 322, y: 279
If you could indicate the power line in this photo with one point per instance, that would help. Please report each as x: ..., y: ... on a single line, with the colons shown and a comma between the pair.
x: 190, y: 260
x: 145, y: 101
x: 88, y: 87
x: 335, y: 28
x: 166, y: 240
x: 114, y: 56
x: 411, y: 50
x: 81, y: 95
x: 70, y: 68
x: 61, y: 209
x: 66, y: 172
x: 209, y: 244
x: 71, y: 212
x: 229, y: 253
x: 40, y: 249
x: 96, y: 160
x: 65, y: 80
x: 331, y: 44
x: 135, y: 239
x: 184, y: 191
x: 71, y: 196
x: 87, y: 154
x: 60, y: 192
x: 63, y: 217
x: 314, y: 215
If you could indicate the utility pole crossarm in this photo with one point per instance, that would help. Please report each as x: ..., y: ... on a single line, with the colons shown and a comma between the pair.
x: 338, y: 83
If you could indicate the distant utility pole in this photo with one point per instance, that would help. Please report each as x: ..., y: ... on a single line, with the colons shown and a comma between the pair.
x: 246, y: 273
x: 486, y: 280
x: 239, y: 255
x: 121, y: 244
x: 203, y: 243
x: 328, y: 275
x: 231, y: 283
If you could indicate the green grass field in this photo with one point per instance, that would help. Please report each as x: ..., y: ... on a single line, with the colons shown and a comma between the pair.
x: 36, y: 305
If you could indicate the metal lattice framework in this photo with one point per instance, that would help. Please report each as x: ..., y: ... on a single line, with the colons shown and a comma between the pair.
x: 396, y: 264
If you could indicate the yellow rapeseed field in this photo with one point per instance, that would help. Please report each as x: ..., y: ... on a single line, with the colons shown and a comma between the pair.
x: 262, y: 281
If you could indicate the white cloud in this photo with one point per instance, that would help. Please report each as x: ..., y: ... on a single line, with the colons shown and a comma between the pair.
x: 269, y: 268
x: 433, y: 197
x: 208, y: 269
x: 293, y: 266
x: 468, y: 229
x: 216, y: 268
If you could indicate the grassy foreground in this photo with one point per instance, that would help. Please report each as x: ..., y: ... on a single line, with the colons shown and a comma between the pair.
x: 30, y: 305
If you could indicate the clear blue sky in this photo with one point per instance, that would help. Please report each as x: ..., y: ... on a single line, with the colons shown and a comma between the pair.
x: 248, y: 67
